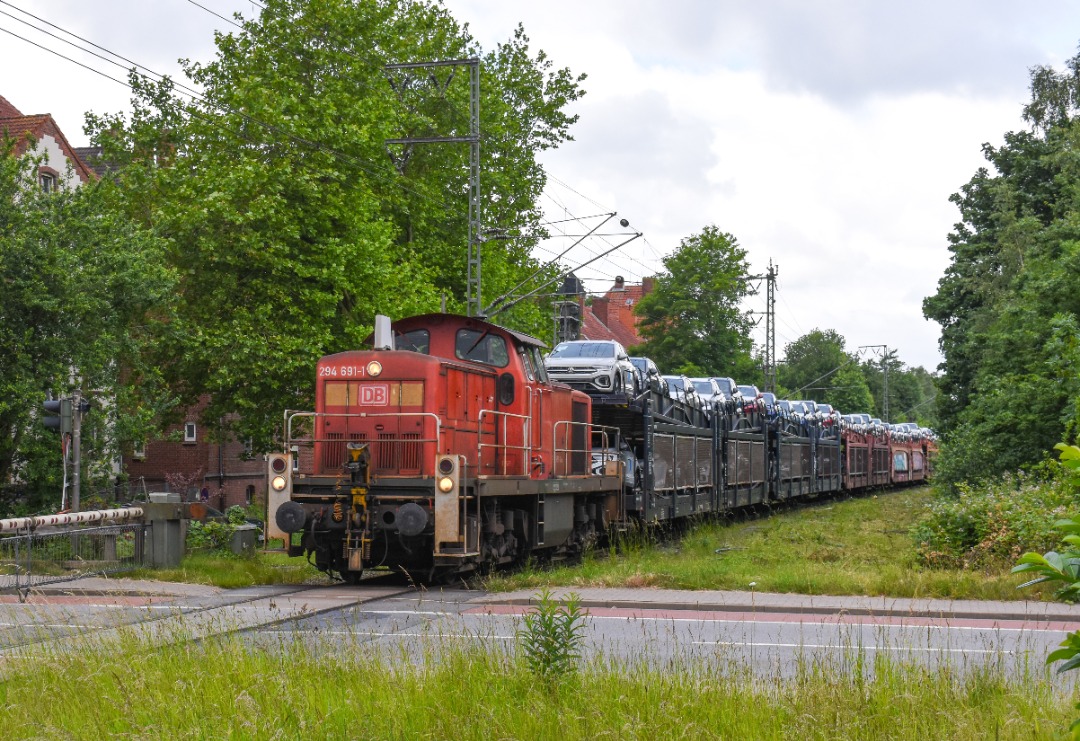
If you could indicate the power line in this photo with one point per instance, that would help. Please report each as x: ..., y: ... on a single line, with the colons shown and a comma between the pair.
x: 197, y: 97
x: 587, y: 248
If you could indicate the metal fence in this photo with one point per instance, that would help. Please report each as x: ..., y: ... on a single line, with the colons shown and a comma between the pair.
x: 46, y: 550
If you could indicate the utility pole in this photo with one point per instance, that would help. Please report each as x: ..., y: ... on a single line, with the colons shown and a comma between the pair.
x: 769, y: 369
x: 475, y: 303
x: 76, y: 445
x: 568, y: 310
x: 770, y: 327
x: 885, y: 377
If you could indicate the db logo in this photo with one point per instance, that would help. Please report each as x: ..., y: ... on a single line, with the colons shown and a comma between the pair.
x: 374, y: 395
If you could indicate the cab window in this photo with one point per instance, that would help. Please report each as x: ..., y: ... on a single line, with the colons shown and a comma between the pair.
x: 416, y: 340
x: 481, y: 347
x: 529, y: 362
x: 538, y: 361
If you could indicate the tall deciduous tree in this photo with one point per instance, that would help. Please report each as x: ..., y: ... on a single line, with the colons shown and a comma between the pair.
x: 82, y: 286
x: 692, y: 317
x: 289, y: 223
x: 1009, y: 301
x: 817, y: 366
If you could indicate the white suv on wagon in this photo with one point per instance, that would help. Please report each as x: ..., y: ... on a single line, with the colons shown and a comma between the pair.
x: 596, y: 366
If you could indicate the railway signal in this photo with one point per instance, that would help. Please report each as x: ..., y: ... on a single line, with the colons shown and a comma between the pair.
x: 65, y: 416
x: 58, y: 415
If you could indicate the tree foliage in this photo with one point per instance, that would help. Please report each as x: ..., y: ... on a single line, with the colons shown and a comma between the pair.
x: 286, y: 219
x: 83, y: 288
x: 1009, y: 300
x: 692, y: 317
x: 818, y: 366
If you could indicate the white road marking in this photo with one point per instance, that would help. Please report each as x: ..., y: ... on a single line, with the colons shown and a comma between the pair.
x: 833, y: 646
x: 377, y: 634
x: 825, y: 623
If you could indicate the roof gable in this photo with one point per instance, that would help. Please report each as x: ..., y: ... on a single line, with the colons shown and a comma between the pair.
x: 21, y: 128
x: 7, y: 110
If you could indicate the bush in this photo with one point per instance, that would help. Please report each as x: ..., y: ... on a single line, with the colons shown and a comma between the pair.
x: 215, y: 535
x: 993, y: 523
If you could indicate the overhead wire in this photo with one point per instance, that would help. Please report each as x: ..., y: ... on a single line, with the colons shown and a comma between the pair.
x: 589, y: 250
x: 195, y: 96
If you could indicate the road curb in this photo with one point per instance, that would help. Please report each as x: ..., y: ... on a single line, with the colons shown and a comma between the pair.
x: 856, y: 610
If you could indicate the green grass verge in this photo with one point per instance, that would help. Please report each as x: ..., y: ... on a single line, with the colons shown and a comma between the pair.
x: 859, y: 546
x: 228, y: 689
x: 230, y: 572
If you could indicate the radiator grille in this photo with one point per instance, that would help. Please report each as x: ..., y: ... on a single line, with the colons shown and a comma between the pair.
x: 333, y: 457
x: 398, y: 452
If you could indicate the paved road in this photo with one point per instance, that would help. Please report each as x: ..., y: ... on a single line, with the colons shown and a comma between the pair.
x: 768, y: 633
x: 771, y: 634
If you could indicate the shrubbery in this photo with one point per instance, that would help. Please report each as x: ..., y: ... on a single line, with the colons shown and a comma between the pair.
x: 991, y: 524
x: 215, y: 535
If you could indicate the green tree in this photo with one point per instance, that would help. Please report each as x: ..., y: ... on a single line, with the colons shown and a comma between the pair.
x: 693, y: 317
x: 1009, y: 300
x: 817, y: 366
x: 288, y: 222
x: 82, y: 288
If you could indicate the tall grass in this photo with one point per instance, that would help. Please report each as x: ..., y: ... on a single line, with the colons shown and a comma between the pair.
x: 858, y: 546
x: 232, y: 571
x: 232, y: 688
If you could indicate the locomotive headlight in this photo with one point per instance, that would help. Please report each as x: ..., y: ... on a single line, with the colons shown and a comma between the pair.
x: 279, y: 483
x: 374, y: 368
x: 446, y: 484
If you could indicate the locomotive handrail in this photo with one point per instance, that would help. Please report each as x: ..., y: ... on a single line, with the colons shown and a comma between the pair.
x: 290, y: 416
x: 424, y: 463
x: 525, y: 447
x: 562, y: 454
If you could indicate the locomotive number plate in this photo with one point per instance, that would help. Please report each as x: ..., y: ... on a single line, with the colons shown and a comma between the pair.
x: 341, y: 371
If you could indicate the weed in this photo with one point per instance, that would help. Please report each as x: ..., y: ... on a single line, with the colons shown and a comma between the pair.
x: 551, y: 637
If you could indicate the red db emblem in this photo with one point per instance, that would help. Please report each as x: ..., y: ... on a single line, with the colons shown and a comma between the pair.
x: 374, y: 395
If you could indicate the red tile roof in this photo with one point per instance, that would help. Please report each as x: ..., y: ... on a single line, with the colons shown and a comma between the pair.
x: 593, y: 329
x: 7, y: 110
x: 15, y: 125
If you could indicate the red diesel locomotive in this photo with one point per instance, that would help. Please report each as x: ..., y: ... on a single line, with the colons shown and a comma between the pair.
x: 444, y: 449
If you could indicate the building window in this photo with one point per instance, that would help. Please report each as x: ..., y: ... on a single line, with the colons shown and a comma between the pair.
x: 48, y: 178
x: 295, y: 458
x: 249, y: 494
x: 190, y: 432
x: 248, y: 453
x: 138, y: 451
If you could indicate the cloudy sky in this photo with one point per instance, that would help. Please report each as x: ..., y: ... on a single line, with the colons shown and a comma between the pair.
x: 826, y: 136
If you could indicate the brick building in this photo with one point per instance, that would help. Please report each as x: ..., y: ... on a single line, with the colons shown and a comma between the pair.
x: 187, y: 461
x: 607, y: 317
